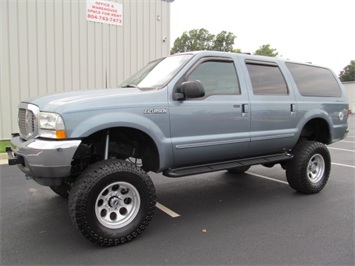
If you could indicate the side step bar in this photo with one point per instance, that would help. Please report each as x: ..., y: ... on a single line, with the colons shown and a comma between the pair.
x: 206, y: 168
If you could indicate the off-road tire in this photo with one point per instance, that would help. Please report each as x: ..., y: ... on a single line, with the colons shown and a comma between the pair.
x: 63, y: 190
x: 100, y: 194
x: 239, y: 170
x: 308, y: 171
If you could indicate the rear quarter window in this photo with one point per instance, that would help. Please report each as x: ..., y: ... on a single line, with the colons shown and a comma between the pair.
x: 314, y: 81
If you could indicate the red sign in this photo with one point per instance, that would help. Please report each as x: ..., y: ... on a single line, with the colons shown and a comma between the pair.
x: 104, y: 12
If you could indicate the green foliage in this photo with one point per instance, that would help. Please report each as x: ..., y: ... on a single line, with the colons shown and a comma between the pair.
x: 194, y: 40
x: 266, y: 51
x: 202, y: 39
x: 4, y: 144
x: 237, y: 50
x: 348, y: 74
x: 224, y: 41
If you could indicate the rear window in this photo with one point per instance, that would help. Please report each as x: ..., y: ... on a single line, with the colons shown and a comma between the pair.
x: 314, y: 81
x: 266, y: 79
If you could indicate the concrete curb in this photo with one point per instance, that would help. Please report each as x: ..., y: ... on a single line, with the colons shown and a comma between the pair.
x: 3, y: 158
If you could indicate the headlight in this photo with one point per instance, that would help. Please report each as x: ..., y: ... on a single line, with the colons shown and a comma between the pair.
x: 51, y: 125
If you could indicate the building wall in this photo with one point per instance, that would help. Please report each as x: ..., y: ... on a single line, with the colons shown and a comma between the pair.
x: 49, y: 46
x: 350, y: 92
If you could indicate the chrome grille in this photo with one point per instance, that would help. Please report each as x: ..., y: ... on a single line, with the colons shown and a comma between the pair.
x: 27, y: 121
x: 21, y: 121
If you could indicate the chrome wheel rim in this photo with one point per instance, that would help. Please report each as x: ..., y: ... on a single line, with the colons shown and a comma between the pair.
x: 316, y: 168
x: 117, y: 205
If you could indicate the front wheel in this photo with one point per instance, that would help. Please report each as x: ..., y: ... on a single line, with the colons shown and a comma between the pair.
x: 112, y: 202
x: 309, y: 169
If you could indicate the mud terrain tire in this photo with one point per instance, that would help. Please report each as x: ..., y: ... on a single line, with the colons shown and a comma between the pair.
x: 308, y: 171
x: 112, y: 202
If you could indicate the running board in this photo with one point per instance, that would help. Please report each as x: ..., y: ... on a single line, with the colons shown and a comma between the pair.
x: 212, y: 167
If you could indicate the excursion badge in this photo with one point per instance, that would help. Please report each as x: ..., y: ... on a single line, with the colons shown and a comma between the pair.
x: 154, y: 111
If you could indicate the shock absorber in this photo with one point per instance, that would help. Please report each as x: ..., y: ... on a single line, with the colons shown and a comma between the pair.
x: 107, y: 144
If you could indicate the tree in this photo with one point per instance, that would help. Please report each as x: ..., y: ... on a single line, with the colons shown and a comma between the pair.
x: 224, y: 41
x: 266, y: 50
x: 202, y: 39
x: 237, y: 50
x: 194, y: 40
x: 348, y: 74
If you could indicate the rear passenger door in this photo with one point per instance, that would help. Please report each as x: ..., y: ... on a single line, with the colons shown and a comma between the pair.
x: 273, y: 108
x: 214, y: 127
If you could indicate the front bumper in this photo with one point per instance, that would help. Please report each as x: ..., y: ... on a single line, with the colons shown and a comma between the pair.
x: 46, y: 161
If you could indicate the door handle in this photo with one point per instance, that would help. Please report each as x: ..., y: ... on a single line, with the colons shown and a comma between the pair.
x: 245, y: 109
x: 293, y: 109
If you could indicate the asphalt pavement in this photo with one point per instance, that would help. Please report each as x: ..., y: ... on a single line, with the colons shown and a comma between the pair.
x: 210, y: 219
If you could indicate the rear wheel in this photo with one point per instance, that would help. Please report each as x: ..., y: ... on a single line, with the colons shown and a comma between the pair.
x: 112, y: 202
x: 308, y: 171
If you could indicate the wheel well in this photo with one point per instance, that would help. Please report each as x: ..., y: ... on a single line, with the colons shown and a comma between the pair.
x: 316, y: 129
x: 124, y: 143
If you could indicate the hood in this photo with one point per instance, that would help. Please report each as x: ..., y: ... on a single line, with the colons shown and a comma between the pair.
x: 93, y: 99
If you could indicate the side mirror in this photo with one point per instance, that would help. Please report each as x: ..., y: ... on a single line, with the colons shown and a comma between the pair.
x: 190, y: 89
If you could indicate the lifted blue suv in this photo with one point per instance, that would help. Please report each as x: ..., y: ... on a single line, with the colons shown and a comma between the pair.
x: 181, y: 115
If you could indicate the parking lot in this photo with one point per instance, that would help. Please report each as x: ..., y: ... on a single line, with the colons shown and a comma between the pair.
x: 210, y: 219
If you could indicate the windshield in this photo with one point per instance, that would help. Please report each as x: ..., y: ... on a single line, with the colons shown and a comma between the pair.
x: 156, y: 73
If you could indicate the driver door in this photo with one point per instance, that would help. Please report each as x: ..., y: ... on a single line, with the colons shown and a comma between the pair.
x: 215, y: 127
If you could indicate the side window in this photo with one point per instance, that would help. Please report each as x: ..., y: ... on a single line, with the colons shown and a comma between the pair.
x: 267, y: 79
x: 217, y: 77
x: 314, y: 81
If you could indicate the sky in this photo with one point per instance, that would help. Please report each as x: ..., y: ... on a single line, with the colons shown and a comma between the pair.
x: 320, y: 32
